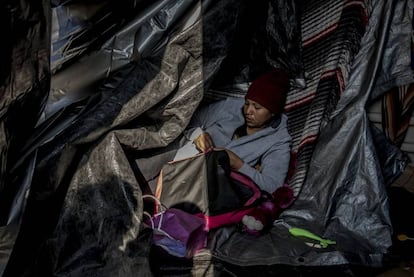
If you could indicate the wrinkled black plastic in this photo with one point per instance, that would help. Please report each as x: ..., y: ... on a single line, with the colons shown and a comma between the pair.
x: 70, y: 195
x: 24, y: 86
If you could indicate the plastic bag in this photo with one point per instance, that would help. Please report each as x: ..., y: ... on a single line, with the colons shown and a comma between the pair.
x: 179, y: 233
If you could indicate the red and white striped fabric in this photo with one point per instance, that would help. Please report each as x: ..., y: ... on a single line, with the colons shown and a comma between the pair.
x: 331, y: 34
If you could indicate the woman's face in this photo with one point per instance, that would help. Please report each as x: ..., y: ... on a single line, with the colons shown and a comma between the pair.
x: 255, y: 115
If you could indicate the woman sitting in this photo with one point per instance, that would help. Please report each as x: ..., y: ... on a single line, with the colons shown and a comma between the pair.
x: 253, y: 130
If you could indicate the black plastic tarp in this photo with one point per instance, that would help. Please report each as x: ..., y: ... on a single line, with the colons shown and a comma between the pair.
x: 121, y: 84
x: 25, y: 82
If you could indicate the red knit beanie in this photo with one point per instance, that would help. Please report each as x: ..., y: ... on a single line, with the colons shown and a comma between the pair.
x: 270, y: 90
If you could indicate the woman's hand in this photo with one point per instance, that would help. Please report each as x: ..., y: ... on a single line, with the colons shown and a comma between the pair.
x: 204, y: 142
x: 235, y: 162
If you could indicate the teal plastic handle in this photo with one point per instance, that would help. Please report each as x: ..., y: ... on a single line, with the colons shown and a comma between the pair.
x: 299, y: 232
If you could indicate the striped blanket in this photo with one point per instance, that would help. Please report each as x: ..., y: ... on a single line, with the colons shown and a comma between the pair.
x: 331, y: 33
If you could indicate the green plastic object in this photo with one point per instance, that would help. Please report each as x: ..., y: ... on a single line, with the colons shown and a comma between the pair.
x: 299, y: 232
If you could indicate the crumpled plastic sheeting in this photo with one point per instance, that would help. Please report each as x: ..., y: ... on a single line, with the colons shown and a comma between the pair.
x: 72, y: 31
x: 79, y: 27
x: 99, y: 230
x: 83, y: 179
x: 147, y: 30
x: 24, y: 75
x: 83, y: 170
x: 392, y: 160
x: 344, y: 196
x: 82, y: 185
x: 395, y: 48
x: 250, y: 44
x: 24, y: 82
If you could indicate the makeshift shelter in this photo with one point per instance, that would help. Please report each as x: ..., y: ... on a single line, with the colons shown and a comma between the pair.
x: 94, y: 92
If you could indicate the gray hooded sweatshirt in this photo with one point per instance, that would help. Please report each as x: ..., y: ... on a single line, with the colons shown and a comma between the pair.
x: 269, y: 147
